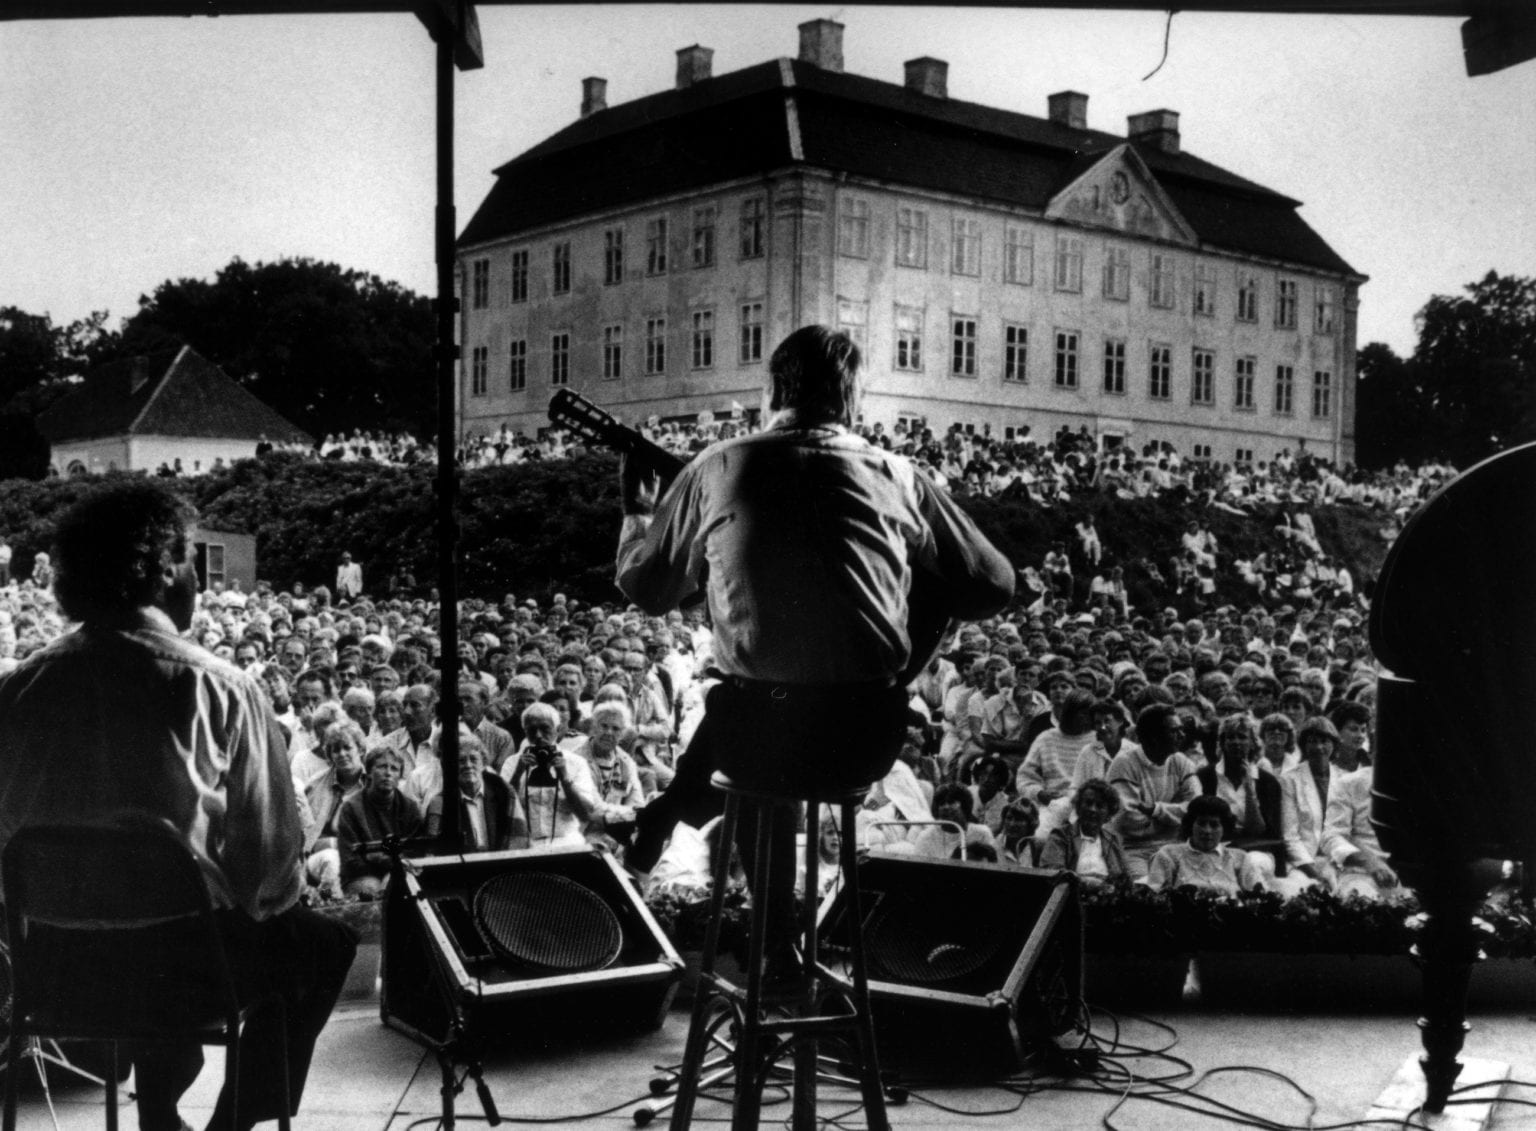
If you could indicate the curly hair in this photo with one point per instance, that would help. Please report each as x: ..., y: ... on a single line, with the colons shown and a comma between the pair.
x: 1208, y: 806
x: 111, y: 549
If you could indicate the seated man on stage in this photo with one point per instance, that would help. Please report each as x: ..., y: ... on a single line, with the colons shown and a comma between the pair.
x: 804, y: 540
x: 126, y: 714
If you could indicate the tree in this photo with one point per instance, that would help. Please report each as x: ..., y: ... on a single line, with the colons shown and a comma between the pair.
x: 1476, y: 361
x: 330, y: 348
x: 37, y: 362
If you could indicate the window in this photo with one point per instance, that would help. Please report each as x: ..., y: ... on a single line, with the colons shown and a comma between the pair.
x: 1202, y: 385
x: 520, y: 275
x: 1114, y: 366
x: 560, y: 282
x: 1285, y: 386
x: 962, y: 354
x: 656, y: 246
x: 853, y: 228
x: 1069, y: 263
x: 751, y: 228
x: 478, y: 364
x: 1242, y: 389
x: 1322, y: 313
x: 1205, y: 289
x: 1015, y: 354
x: 1117, y: 273
x: 853, y: 320
x: 1285, y: 304
x: 1018, y: 255
x: 1243, y: 455
x: 517, y: 369
x: 965, y: 251
x: 655, y: 345
x: 560, y: 358
x: 1160, y: 373
x: 911, y: 237
x: 613, y: 352
x: 1202, y: 452
x: 1066, y: 359
x: 213, y: 558
x: 704, y: 236
x: 1322, y: 394
x: 1162, y: 281
x: 751, y: 335
x: 909, y: 337
x: 701, y: 342
x: 1247, y: 298
x: 613, y: 256
x: 480, y: 289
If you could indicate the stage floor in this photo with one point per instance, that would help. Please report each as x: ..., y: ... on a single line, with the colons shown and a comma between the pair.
x: 369, y: 1078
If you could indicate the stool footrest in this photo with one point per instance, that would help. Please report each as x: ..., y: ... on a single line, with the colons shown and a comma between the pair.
x: 808, y: 1026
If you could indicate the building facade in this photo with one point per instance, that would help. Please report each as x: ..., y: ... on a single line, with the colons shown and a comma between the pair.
x: 1001, y: 271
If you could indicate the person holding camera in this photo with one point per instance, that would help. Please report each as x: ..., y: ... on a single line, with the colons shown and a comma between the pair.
x: 557, y: 793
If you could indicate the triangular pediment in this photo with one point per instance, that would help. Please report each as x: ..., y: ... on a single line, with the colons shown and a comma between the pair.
x: 1118, y: 192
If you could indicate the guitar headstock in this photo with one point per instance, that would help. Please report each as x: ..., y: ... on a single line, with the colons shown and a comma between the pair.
x: 570, y: 410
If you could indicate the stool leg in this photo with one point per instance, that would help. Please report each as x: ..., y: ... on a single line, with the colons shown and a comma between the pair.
x: 111, y: 1075
x: 806, y: 1051
x: 869, y: 1059
x: 698, y: 1025
x: 747, y: 1102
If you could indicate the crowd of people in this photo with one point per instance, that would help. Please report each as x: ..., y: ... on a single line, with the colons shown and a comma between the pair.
x: 1053, y: 735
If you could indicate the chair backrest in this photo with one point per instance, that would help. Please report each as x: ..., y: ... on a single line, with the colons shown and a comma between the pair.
x: 112, y: 925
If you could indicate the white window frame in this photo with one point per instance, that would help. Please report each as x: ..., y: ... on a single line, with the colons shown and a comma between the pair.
x: 853, y: 227
x: 853, y: 320
x: 1015, y: 354
x: 752, y: 228
x: 655, y: 345
x: 480, y: 284
x: 1324, y: 313
x: 701, y: 339
x: 1161, y: 291
x: 1205, y: 290
x: 705, y: 219
x: 520, y: 275
x: 962, y: 345
x: 750, y: 333
x: 613, y: 256
x: 911, y: 237
x: 656, y: 246
x: 908, y: 353
x: 1114, y: 366
x: 1160, y: 372
x: 1068, y: 273
x: 1018, y: 255
x: 1117, y: 273
x: 560, y: 268
x: 1202, y: 376
x: 560, y: 358
x: 517, y: 365
x: 1245, y: 377
x: 1247, y: 297
x: 1287, y: 299
x: 965, y: 246
x: 613, y: 351
x: 1322, y: 394
x: 1285, y: 390
x: 1067, y: 369
x: 479, y: 369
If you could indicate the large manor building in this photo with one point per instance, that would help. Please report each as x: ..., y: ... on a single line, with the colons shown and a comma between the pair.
x: 999, y: 270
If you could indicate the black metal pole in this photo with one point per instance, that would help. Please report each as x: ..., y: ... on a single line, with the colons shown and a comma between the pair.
x: 447, y: 437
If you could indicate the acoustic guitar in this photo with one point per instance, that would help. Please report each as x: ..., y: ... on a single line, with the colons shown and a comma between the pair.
x: 928, y: 621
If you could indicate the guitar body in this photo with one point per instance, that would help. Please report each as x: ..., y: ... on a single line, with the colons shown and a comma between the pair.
x: 928, y: 621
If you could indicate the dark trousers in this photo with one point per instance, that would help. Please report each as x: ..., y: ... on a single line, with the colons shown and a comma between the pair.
x: 790, y: 741
x: 300, y: 956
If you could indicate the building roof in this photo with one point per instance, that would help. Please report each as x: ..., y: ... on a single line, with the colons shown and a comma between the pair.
x: 787, y: 112
x: 174, y: 392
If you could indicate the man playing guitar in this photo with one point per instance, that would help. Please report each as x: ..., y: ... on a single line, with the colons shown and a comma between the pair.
x: 803, y: 540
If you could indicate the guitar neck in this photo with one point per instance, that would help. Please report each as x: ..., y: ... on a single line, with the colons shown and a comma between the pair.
x: 573, y: 411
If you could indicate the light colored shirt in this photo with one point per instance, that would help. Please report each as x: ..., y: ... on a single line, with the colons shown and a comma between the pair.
x: 804, y: 542
x: 105, y: 720
x: 1167, y: 788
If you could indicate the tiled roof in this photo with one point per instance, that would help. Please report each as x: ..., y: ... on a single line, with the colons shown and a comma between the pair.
x: 174, y: 392
x: 744, y: 124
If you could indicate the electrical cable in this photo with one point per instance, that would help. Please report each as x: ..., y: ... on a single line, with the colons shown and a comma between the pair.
x: 1167, y: 32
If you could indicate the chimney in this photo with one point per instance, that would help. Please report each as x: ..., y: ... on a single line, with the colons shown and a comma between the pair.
x: 1068, y: 108
x: 140, y: 374
x: 1157, y: 128
x: 928, y: 76
x: 821, y: 44
x: 594, y: 96
x: 693, y: 65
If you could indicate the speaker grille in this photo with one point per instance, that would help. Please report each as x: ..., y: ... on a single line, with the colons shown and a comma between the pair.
x: 548, y: 921
x: 910, y: 942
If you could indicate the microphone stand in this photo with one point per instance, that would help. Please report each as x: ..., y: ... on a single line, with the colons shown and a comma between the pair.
x: 460, y: 1046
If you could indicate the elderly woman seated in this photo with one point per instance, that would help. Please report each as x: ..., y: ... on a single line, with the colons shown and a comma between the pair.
x: 1087, y: 844
x: 376, y: 811
x: 1200, y: 859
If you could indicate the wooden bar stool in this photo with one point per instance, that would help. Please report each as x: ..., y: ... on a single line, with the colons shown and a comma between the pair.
x: 763, y: 1038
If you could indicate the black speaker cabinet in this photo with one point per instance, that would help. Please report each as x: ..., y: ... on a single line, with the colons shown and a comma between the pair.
x: 972, y: 966
x: 440, y: 954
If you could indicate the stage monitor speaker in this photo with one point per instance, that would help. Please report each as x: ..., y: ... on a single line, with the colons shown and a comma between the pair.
x: 972, y: 966
x: 520, y: 945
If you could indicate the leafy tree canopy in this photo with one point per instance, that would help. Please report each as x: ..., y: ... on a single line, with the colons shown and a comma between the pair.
x: 330, y: 348
x: 1469, y: 389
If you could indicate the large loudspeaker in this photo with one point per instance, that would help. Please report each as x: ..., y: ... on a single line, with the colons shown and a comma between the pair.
x: 521, y: 944
x: 971, y: 966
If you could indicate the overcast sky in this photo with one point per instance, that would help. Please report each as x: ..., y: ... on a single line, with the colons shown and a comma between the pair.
x: 133, y: 151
